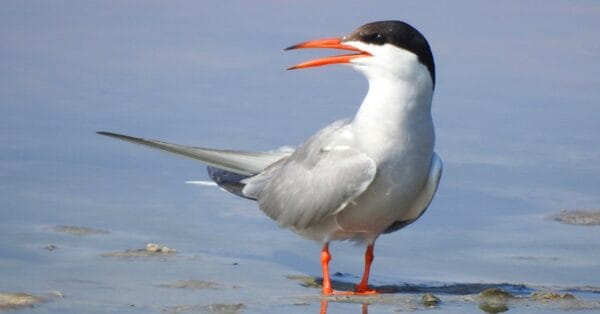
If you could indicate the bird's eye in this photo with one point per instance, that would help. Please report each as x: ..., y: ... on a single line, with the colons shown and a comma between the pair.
x: 374, y: 38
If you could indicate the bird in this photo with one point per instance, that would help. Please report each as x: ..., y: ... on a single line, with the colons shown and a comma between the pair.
x: 357, y: 178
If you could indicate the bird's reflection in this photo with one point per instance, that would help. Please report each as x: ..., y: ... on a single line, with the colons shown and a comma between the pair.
x: 410, y: 289
x: 324, y: 303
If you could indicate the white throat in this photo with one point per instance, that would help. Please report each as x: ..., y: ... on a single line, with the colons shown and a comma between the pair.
x: 396, y: 111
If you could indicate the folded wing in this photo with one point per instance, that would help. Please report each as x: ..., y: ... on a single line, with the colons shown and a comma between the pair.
x: 422, y: 202
x: 318, y: 180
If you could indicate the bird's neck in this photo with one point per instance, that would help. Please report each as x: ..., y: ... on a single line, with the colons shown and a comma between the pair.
x: 392, y: 112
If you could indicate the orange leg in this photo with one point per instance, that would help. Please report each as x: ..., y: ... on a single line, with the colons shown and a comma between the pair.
x: 323, y: 306
x: 325, y: 258
x: 363, y: 286
x: 361, y: 289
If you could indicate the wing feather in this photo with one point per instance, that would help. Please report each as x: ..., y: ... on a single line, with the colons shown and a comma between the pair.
x: 316, y: 181
x: 242, y: 163
x: 425, y: 197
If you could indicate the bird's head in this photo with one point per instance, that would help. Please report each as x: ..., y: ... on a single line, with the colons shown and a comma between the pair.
x: 391, y: 49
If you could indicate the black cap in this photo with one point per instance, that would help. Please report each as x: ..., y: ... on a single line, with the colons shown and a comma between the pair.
x: 399, y: 34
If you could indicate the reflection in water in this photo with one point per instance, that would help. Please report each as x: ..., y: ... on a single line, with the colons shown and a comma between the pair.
x: 365, y: 307
x: 489, y: 297
x: 493, y: 308
x: 339, y: 283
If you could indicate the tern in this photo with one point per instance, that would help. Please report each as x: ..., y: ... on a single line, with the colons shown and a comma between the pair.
x: 355, y: 179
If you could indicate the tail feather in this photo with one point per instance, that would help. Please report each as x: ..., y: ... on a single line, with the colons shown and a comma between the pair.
x: 229, y: 181
x: 234, y: 162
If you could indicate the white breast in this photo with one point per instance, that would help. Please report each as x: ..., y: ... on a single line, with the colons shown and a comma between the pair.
x: 394, y: 127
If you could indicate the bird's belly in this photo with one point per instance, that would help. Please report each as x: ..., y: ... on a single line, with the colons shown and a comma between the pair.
x: 387, y: 199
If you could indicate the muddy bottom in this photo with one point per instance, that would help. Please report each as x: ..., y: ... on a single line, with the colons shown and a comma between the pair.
x: 17, y: 300
x: 20, y: 300
x: 78, y: 231
x: 583, y: 217
x: 151, y: 249
x: 193, y: 284
x: 211, y: 308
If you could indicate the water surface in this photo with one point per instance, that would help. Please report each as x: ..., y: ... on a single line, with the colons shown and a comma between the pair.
x: 516, y: 113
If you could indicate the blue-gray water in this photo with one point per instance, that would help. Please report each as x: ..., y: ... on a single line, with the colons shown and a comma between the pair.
x: 516, y: 107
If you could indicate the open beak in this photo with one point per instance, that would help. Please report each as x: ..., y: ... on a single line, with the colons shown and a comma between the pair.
x: 330, y: 43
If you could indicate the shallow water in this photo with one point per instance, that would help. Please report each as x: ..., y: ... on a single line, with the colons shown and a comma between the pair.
x: 516, y: 118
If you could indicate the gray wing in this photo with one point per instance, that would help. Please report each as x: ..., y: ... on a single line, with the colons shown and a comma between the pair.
x: 422, y: 202
x: 431, y: 185
x: 243, y: 163
x: 320, y: 178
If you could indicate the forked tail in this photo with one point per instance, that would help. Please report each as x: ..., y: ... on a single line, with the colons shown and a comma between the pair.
x: 226, y: 167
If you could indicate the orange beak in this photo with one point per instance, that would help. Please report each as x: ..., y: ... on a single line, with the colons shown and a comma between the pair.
x: 330, y: 43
